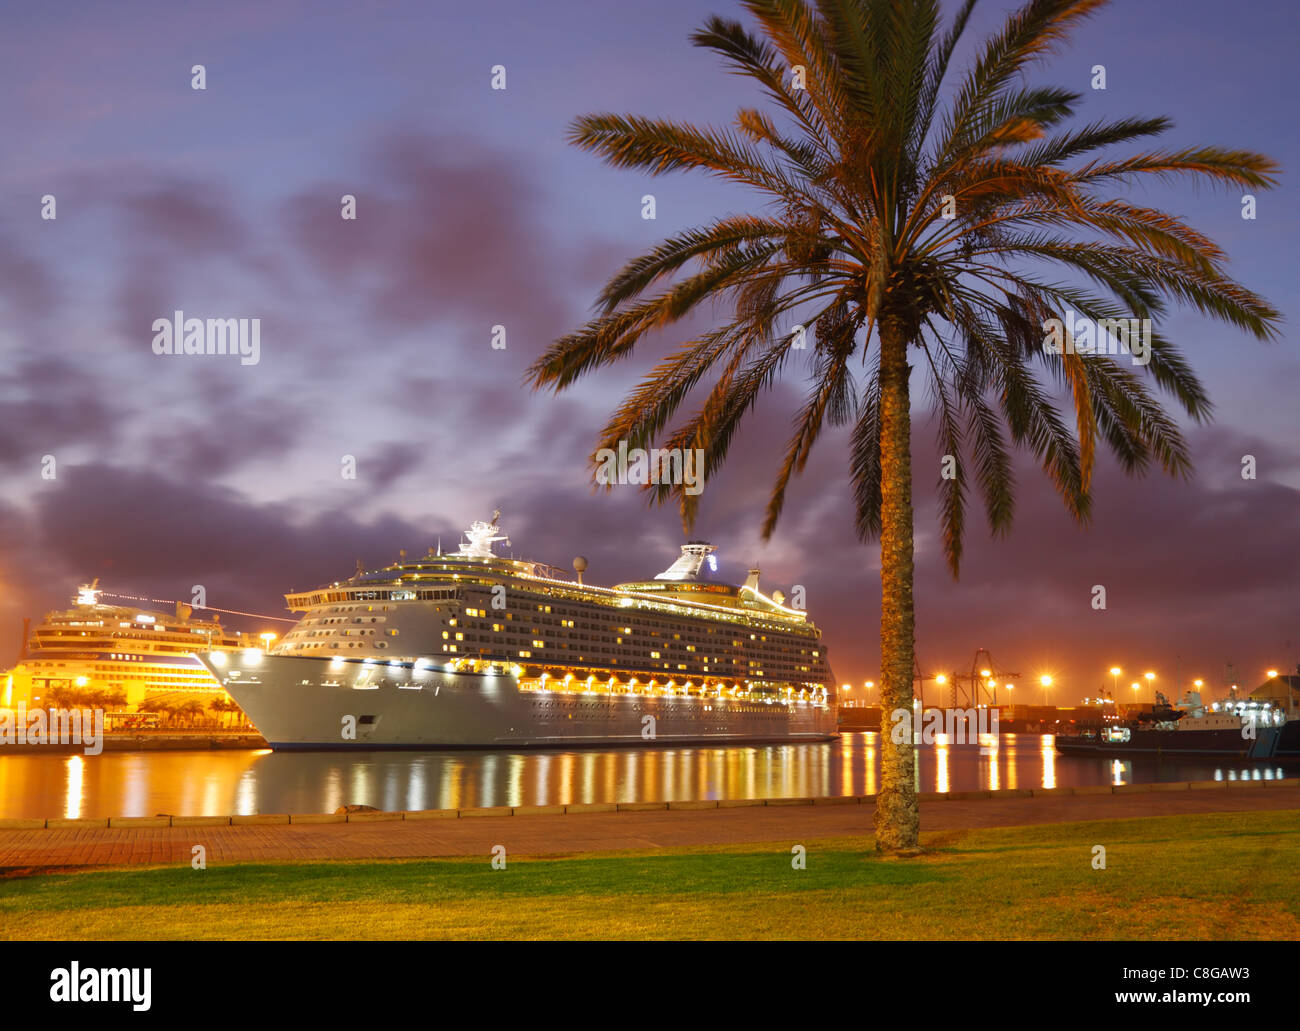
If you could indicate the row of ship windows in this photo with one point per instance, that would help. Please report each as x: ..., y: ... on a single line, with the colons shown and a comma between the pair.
x: 754, y: 667
x: 327, y: 597
x: 311, y: 601
x: 770, y: 651
x: 590, y: 621
x: 763, y: 711
x: 499, y: 627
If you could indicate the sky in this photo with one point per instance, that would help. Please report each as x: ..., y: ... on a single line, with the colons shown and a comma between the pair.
x: 473, y: 212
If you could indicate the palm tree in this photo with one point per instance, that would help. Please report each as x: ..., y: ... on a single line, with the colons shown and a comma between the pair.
x: 190, y: 710
x: 164, y: 709
x: 226, y: 707
x: 901, y: 227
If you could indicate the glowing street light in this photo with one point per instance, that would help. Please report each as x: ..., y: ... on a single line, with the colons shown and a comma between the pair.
x: 1115, y: 671
x: 1136, y: 685
x: 1046, y: 681
x: 1272, y: 674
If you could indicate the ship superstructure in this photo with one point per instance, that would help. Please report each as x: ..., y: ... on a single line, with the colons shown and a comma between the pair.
x: 471, y: 648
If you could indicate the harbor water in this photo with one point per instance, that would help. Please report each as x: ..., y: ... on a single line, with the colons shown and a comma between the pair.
x: 221, y: 782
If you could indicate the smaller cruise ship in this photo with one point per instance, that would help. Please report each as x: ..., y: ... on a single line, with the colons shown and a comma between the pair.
x: 134, y: 652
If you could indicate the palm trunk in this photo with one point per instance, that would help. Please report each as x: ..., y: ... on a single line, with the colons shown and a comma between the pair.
x: 897, y: 820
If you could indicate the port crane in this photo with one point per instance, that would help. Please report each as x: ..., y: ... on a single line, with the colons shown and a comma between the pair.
x: 980, y: 686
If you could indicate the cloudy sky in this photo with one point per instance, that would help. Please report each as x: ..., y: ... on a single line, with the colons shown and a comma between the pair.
x: 472, y: 211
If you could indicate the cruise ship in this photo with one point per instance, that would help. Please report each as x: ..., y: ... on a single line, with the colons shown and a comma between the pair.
x: 121, y: 650
x: 470, y: 649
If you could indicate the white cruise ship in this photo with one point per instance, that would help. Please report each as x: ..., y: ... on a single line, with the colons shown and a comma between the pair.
x: 475, y: 650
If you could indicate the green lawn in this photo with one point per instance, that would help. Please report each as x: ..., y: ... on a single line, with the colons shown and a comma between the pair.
x: 1183, y: 877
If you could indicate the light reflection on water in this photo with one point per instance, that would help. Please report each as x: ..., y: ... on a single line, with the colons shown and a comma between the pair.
x: 213, y: 783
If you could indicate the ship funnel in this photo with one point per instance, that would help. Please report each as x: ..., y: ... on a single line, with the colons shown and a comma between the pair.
x: 688, y: 563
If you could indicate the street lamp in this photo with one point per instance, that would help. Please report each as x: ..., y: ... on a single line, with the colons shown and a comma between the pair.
x: 1115, y: 671
x: 1046, y: 681
x: 1272, y: 674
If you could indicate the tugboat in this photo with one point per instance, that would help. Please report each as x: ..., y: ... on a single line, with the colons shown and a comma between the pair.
x: 1237, y: 728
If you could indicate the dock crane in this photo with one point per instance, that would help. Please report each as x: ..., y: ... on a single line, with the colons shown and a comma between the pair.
x: 980, y: 686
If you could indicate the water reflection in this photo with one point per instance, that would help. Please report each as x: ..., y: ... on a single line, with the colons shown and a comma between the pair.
x: 72, y: 795
x: 221, y: 782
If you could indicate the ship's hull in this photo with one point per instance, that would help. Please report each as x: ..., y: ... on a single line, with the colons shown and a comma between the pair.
x: 1288, y: 742
x: 315, y: 703
x: 1155, y: 743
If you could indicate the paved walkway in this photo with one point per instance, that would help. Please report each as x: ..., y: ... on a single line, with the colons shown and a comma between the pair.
x: 589, y: 832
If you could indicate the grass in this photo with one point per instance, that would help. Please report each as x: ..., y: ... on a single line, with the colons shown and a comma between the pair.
x: 1176, y: 877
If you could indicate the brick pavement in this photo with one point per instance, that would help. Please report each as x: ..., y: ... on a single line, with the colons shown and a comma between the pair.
x: 391, y: 836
